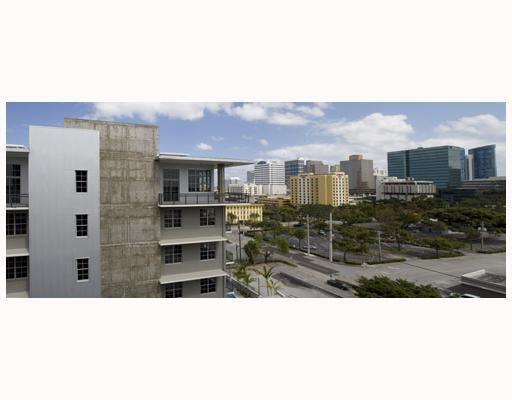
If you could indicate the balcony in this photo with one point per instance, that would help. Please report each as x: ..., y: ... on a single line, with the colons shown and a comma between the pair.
x: 201, y: 198
x: 16, y: 200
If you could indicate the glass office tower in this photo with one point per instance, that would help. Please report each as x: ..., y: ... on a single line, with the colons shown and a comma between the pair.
x: 484, y: 161
x: 444, y: 165
x: 293, y: 168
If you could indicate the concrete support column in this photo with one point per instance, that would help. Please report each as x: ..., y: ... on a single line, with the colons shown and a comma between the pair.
x: 220, y: 181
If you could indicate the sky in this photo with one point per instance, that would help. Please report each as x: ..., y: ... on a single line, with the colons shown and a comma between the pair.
x: 281, y: 131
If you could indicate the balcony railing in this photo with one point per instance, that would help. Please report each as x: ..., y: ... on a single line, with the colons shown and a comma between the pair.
x: 16, y: 200
x: 202, y: 198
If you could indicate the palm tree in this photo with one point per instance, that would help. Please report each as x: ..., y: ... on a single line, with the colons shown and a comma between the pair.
x: 267, y: 274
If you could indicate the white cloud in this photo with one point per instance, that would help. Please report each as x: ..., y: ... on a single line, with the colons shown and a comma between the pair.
x: 271, y: 113
x: 264, y: 142
x: 373, y: 136
x: 204, y: 147
x: 151, y: 111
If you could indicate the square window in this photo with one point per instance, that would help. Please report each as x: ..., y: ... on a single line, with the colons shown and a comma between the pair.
x: 81, y: 225
x: 16, y: 267
x: 208, y: 285
x: 173, y: 290
x: 81, y: 181
x: 207, y: 216
x: 172, y: 254
x: 208, y: 251
x: 172, y: 218
x: 199, y: 180
x: 82, y: 269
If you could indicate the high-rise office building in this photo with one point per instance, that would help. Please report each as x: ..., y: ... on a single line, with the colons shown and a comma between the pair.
x: 444, y: 165
x: 360, y: 174
x: 93, y: 210
x: 316, y: 167
x: 293, y: 168
x: 270, y: 174
x: 484, y: 161
x: 250, y: 176
x: 328, y: 189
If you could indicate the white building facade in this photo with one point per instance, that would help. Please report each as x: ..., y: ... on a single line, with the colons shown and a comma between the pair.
x: 390, y: 187
x: 271, y: 175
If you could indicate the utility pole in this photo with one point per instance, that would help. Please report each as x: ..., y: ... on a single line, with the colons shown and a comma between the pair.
x: 482, y: 230
x: 239, y: 242
x: 307, y: 231
x: 380, y: 249
x: 330, y: 236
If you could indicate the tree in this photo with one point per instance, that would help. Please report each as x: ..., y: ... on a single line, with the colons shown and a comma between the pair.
x: 253, y: 250
x: 242, y: 273
x: 381, y: 286
x: 300, y: 234
x: 441, y: 243
x: 282, y: 245
x: 470, y: 235
x: 354, y: 239
x: 231, y: 218
x: 267, y: 273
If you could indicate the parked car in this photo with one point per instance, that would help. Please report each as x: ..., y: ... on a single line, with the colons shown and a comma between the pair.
x: 230, y: 295
x: 337, y: 283
x: 321, y: 232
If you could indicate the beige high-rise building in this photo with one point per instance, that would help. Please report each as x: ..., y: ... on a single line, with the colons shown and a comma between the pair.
x: 329, y: 189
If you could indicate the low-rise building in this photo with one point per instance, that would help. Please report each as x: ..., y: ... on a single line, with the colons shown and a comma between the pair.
x: 475, y: 187
x: 250, y: 189
x: 244, y: 212
x: 391, y: 187
x: 277, y: 201
x: 329, y: 189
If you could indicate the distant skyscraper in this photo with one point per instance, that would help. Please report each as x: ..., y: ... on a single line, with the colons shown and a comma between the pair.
x: 293, y: 168
x: 360, y: 174
x: 271, y: 175
x: 316, y: 167
x: 444, y: 165
x: 469, y: 168
x: 250, y: 176
x: 484, y: 161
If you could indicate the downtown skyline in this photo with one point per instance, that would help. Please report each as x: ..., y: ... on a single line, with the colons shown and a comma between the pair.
x: 282, y: 131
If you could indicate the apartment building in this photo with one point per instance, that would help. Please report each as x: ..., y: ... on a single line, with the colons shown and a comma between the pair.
x: 111, y: 216
x: 330, y: 189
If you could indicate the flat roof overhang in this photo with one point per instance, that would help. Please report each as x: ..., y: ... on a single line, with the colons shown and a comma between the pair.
x: 184, y: 159
x: 192, y: 240
x: 16, y: 252
x: 191, y: 276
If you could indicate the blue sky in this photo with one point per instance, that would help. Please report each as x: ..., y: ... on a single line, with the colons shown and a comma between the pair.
x: 280, y: 131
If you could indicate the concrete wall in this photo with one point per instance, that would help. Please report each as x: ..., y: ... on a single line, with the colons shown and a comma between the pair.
x: 130, y: 218
x: 190, y: 224
x: 55, y: 154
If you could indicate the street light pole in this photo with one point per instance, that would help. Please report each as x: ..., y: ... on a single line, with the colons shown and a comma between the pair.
x: 380, y: 249
x: 330, y: 236
x: 239, y: 242
x: 307, y: 230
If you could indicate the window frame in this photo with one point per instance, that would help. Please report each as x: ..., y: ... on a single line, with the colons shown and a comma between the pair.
x: 79, y: 227
x: 79, y: 267
x: 18, y: 271
x: 80, y: 182
x: 200, y: 180
x: 208, y: 251
x: 13, y: 183
x: 173, y: 219
x: 207, y: 285
x: 175, y: 254
x: 15, y: 224
x: 208, y: 219
x: 174, y: 288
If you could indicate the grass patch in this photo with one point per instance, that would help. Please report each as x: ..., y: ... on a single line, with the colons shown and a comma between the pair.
x: 492, y: 251
x: 387, y: 261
